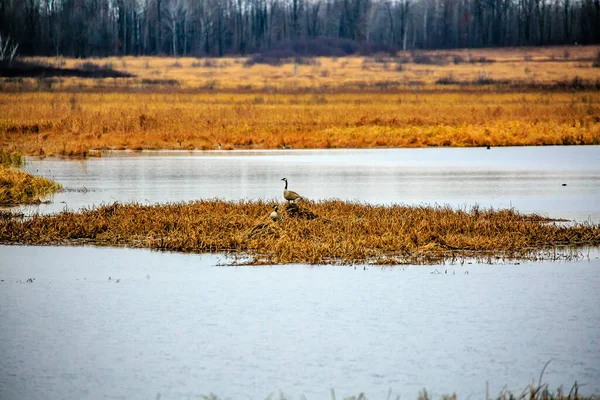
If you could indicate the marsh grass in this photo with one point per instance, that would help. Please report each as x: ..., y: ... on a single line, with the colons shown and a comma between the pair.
x: 327, y: 232
x: 277, y: 70
x: 19, y: 187
x: 10, y: 159
x: 69, y: 125
x: 531, y: 392
x: 459, y: 98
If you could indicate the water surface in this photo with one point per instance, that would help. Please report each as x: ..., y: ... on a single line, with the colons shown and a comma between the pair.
x: 181, y: 326
x: 530, y: 179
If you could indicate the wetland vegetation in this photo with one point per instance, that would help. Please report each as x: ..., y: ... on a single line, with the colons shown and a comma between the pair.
x: 299, y: 74
x: 20, y: 187
x: 531, y: 392
x: 458, y: 98
x: 322, y: 232
x: 495, y: 97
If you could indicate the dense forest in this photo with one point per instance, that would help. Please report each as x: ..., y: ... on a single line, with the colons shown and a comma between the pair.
x: 85, y: 28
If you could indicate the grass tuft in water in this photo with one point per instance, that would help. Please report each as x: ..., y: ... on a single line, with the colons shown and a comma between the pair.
x: 19, y: 187
x: 326, y: 232
x: 531, y: 392
x: 10, y: 159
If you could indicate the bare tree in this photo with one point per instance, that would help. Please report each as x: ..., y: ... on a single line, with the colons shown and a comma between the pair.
x: 8, y: 49
x: 218, y: 27
x: 176, y: 14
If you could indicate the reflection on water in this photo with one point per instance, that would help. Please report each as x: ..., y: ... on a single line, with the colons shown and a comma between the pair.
x: 178, y: 325
x: 529, y: 179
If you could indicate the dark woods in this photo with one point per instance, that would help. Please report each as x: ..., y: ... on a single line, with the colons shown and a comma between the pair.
x: 86, y: 28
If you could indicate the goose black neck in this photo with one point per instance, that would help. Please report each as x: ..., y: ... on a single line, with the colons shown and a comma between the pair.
x: 285, y: 184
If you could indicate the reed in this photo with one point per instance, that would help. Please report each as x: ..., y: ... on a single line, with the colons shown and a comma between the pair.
x: 20, y: 187
x: 531, y: 392
x: 73, y: 125
x: 317, y: 233
x: 496, y: 97
x: 10, y: 159
x: 388, y: 72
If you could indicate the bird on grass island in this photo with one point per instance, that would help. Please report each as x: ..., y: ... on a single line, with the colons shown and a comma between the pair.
x: 275, y: 216
x: 288, y: 194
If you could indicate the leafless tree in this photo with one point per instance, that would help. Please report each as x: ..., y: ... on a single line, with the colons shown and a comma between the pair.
x: 8, y: 49
x: 218, y: 27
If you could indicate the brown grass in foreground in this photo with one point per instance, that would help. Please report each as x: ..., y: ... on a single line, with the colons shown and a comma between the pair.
x: 72, y: 125
x: 341, y: 232
x: 19, y: 187
x: 531, y: 392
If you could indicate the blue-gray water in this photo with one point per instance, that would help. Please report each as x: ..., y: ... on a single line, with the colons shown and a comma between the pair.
x: 181, y: 326
x: 195, y: 327
x: 530, y: 179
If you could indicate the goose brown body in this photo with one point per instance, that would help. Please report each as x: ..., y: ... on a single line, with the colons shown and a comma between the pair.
x: 288, y: 194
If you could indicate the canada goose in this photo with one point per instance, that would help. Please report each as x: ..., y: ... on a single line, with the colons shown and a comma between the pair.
x: 275, y: 216
x: 284, y: 147
x: 288, y: 194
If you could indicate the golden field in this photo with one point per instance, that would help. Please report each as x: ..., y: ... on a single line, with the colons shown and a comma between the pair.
x: 312, y: 233
x: 70, y: 124
x: 353, y: 102
x: 403, y: 71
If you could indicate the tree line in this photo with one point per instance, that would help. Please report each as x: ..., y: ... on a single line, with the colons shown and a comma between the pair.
x: 87, y: 28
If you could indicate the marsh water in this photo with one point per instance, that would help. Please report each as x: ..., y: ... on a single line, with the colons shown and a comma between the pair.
x: 183, y: 326
x: 530, y: 179
x: 180, y: 326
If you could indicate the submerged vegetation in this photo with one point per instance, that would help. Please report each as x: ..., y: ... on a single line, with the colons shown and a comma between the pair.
x: 313, y: 233
x: 19, y: 187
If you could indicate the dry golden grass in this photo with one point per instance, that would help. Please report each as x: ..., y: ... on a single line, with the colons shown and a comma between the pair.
x: 19, y: 187
x: 70, y: 124
x: 527, y: 65
x: 323, y: 232
x: 531, y: 392
x: 354, y: 102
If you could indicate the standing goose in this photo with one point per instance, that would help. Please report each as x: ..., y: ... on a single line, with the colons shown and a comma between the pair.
x: 275, y: 216
x: 288, y: 194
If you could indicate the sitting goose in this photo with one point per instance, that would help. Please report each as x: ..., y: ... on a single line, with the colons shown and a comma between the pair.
x: 275, y: 216
x: 288, y: 194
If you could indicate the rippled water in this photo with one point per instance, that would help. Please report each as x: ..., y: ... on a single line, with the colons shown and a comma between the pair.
x: 529, y: 179
x: 181, y: 326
